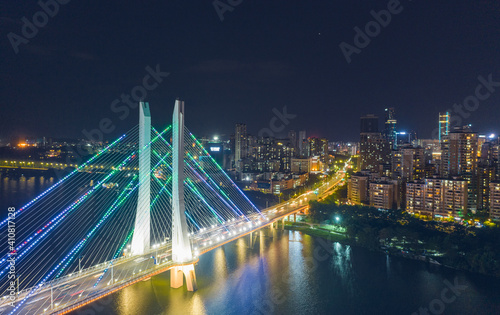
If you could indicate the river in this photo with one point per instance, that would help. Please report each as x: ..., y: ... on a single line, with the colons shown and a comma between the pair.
x: 293, y: 273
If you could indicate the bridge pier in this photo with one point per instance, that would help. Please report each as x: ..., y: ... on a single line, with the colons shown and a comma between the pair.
x: 177, y: 275
x: 181, y: 245
x: 283, y: 224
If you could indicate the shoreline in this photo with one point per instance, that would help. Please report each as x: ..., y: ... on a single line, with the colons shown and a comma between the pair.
x: 343, y: 239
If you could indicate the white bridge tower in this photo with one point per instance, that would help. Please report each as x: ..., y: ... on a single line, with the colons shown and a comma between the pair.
x: 181, y: 247
x: 142, y: 229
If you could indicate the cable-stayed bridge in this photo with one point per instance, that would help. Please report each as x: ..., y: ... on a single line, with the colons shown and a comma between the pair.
x: 151, y: 201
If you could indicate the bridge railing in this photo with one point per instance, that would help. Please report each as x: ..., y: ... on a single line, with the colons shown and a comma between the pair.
x: 87, y: 271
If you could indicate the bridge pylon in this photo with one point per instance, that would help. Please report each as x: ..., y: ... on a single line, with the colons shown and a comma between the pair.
x: 181, y: 247
x: 142, y: 229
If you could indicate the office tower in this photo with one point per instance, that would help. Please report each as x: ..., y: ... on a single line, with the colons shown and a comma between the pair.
x: 369, y: 124
x: 374, y: 151
x: 301, y: 141
x: 412, y: 163
x: 240, y: 144
x: 390, y: 132
x: 444, y: 125
x: 444, y: 130
x: 462, y: 158
x: 292, y: 137
x: 374, y: 148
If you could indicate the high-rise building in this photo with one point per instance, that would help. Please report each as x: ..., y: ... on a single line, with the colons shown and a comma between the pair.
x: 463, y: 156
x: 390, y: 132
x: 357, y: 189
x: 485, y: 175
x: 433, y: 195
x: 437, y: 197
x: 300, y: 142
x: 396, y: 164
x: 240, y: 145
x: 323, y: 147
x: 374, y: 149
x: 369, y: 124
x: 301, y: 165
x: 444, y: 125
x: 412, y: 137
x: 412, y: 163
x: 383, y: 195
x: 292, y: 137
x: 444, y: 130
x: 317, y: 147
x: 415, y: 198
x: 495, y: 200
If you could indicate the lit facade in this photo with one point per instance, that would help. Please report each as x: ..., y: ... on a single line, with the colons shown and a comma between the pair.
x: 495, y: 200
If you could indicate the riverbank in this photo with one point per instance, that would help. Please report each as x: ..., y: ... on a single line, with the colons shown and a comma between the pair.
x: 316, y: 230
x: 322, y: 231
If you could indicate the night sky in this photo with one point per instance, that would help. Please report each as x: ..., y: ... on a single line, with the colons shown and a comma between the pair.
x: 263, y: 55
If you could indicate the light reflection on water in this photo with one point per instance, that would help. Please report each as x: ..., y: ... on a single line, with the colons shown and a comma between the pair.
x: 291, y: 274
x: 16, y: 191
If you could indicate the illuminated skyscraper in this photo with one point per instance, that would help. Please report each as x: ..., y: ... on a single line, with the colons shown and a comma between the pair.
x: 463, y: 158
x: 374, y: 148
x: 240, y: 144
x: 444, y: 130
x: 390, y: 127
x: 301, y: 143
